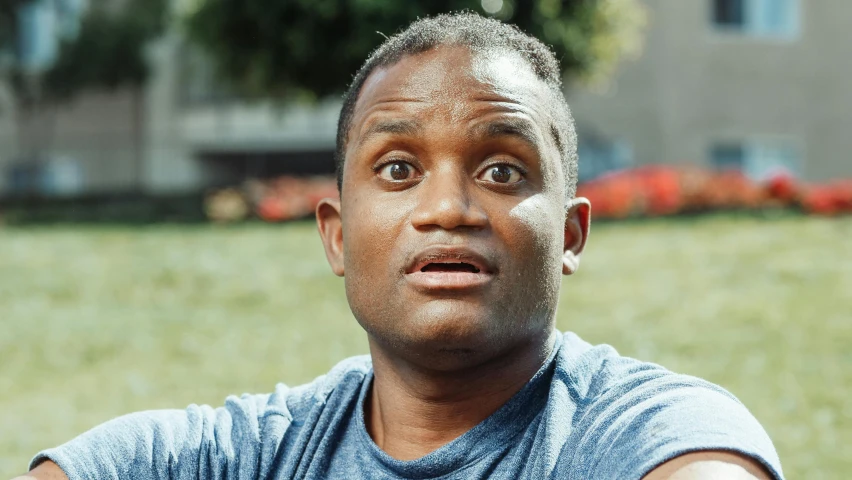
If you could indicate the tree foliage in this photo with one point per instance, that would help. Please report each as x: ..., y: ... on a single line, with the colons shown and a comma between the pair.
x: 108, y: 52
x: 280, y: 48
x: 8, y: 25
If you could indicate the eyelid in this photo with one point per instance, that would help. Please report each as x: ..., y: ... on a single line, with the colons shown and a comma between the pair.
x: 495, y: 162
x: 482, y: 175
x: 380, y: 166
x: 386, y: 160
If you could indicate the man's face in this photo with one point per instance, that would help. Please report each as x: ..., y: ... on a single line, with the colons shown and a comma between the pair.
x: 452, y: 220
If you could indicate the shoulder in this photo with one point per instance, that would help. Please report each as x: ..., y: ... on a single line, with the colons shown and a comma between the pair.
x: 247, y: 430
x: 633, y: 416
x: 602, y: 381
x: 345, y: 379
x: 596, y: 372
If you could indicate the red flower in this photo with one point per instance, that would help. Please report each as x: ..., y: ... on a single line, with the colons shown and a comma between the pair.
x: 819, y: 200
x: 783, y: 187
x: 829, y: 199
x: 735, y: 190
x: 271, y: 209
x: 661, y: 189
x: 612, y: 196
x: 843, y: 195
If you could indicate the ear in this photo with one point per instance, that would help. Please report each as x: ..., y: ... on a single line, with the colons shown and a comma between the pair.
x: 577, y: 219
x: 330, y: 226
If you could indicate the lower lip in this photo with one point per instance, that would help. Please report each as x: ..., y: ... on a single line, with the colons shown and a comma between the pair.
x: 436, y: 281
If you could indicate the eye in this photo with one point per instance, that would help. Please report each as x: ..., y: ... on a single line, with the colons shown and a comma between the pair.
x: 501, y: 173
x: 397, y: 171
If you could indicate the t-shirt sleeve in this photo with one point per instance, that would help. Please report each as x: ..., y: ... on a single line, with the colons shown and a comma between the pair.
x: 652, y: 417
x: 229, y: 442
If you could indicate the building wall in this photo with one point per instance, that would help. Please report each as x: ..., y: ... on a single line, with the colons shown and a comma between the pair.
x: 696, y: 85
x: 99, y: 131
x: 95, y: 132
x: 165, y: 151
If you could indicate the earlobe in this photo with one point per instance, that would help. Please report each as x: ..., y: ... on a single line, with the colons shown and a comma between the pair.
x: 330, y: 225
x: 570, y: 263
x: 577, y: 221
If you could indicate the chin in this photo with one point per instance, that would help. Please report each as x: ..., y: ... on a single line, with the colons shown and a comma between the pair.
x: 447, y: 334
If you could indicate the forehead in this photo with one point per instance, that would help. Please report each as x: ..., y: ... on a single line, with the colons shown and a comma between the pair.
x: 452, y: 77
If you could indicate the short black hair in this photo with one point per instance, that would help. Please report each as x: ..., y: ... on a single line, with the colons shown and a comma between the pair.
x: 480, y: 34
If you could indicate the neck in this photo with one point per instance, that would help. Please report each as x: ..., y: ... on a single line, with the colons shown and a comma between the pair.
x: 412, y: 410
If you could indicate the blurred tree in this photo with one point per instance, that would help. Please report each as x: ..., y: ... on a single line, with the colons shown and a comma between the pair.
x: 107, y: 52
x: 290, y: 48
x: 8, y: 31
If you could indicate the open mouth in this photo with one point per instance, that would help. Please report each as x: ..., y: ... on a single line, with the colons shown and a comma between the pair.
x: 450, y: 267
x: 440, y: 269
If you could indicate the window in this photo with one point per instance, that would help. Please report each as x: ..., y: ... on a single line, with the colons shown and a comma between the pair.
x: 55, y: 176
x: 728, y: 13
x: 760, y: 18
x: 758, y: 159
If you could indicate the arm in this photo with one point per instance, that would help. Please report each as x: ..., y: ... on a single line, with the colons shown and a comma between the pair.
x: 46, y: 471
x: 198, y: 442
x: 709, y: 465
x: 656, y: 425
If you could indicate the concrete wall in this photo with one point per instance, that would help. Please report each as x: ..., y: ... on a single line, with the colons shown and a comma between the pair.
x: 696, y: 85
x: 164, y: 153
x: 96, y: 130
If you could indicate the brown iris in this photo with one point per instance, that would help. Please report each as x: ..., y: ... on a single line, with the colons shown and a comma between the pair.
x: 501, y: 174
x: 399, y: 171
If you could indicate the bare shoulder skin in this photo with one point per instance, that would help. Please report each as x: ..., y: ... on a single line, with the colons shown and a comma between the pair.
x: 709, y: 466
x: 46, y: 471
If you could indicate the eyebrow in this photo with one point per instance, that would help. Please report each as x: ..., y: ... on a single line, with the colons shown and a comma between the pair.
x: 393, y: 127
x: 505, y: 127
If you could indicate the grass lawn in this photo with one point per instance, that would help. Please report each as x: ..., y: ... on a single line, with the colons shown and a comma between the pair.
x: 97, y: 322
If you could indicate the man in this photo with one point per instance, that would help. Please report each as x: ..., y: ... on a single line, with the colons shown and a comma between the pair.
x: 457, y: 171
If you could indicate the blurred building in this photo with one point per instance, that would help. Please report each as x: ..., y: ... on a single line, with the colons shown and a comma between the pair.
x: 750, y: 84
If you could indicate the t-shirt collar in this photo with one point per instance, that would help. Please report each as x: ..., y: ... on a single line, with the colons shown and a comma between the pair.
x: 492, y: 434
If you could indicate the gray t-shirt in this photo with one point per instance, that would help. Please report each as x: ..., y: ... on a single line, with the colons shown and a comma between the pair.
x: 587, y: 414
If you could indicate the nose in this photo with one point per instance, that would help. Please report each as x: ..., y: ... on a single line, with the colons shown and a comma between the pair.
x: 445, y: 201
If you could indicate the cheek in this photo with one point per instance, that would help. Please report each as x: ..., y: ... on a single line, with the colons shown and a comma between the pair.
x: 539, y: 226
x: 539, y: 232
x: 371, y: 231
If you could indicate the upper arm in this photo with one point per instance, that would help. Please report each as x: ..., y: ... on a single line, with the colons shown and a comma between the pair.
x: 709, y: 465
x: 196, y: 442
x: 45, y: 471
x: 648, y: 418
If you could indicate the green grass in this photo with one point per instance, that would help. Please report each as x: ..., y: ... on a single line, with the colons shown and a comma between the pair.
x: 97, y: 322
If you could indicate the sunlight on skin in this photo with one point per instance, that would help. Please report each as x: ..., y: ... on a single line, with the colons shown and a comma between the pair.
x: 46, y: 471
x: 709, y: 466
